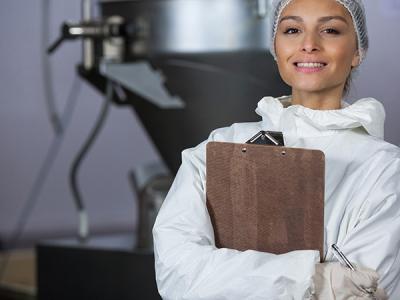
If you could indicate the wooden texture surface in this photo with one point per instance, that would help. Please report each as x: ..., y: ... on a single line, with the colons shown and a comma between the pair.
x: 266, y: 198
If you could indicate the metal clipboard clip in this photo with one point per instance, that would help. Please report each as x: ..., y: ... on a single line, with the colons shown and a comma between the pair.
x: 272, y: 138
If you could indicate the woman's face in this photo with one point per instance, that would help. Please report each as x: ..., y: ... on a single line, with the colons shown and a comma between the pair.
x: 316, y: 45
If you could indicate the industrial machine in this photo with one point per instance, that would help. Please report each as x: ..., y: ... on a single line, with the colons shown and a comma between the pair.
x: 185, y: 67
x: 201, y: 63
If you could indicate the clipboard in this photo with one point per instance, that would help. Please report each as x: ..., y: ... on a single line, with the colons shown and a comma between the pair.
x: 265, y: 198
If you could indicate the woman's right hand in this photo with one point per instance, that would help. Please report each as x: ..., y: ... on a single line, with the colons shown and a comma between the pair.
x: 335, y: 281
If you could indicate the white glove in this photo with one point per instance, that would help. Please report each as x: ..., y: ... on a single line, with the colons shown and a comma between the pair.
x: 335, y: 281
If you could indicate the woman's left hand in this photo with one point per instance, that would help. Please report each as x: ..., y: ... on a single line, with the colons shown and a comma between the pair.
x: 334, y: 281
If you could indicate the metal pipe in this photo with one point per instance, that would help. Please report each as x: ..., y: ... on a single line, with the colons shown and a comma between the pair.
x: 87, y: 44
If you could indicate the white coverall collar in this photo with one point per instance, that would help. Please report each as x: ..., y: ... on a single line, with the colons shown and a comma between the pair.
x: 301, y: 121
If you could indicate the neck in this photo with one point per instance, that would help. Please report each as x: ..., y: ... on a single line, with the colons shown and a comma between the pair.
x: 321, y: 100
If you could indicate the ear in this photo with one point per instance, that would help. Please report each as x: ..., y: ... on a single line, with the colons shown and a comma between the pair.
x: 356, y: 59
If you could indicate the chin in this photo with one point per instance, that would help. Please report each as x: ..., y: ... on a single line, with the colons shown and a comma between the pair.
x: 309, y: 88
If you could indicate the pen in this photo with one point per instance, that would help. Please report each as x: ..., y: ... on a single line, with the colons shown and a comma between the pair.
x: 341, y: 257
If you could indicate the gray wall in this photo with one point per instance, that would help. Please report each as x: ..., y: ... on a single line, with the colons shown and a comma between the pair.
x: 379, y: 75
x: 25, y: 133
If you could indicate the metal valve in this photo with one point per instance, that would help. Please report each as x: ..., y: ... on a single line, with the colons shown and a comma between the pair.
x: 92, y: 30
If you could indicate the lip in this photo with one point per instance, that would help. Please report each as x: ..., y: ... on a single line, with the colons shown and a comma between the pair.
x: 309, y: 70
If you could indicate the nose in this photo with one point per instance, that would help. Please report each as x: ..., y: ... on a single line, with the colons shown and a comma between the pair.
x: 310, y: 43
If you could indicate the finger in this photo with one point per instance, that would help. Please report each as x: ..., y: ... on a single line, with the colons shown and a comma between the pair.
x: 381, y: 295
x: 364, y: 277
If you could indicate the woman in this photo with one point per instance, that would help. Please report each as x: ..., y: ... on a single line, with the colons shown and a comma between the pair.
x: 317, y: 44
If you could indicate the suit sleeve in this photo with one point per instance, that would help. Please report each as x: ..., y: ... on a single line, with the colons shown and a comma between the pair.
x: 374, y: 240
x: 189, y: 266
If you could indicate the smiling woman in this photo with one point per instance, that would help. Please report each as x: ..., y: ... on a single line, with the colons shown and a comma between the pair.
x: 317, y: 44
x: 316, y: 47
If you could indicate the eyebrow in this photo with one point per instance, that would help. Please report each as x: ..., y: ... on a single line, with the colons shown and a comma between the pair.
x: 320, y: 20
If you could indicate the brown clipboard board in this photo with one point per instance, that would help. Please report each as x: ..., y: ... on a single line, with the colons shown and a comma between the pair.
x: 265, y: 198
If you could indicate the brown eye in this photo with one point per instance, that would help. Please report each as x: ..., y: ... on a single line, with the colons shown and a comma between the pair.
x: 291, y: 31
x: 331, y: 31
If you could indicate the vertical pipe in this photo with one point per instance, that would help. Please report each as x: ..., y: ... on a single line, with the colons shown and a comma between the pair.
x: 87, y: 44
x: 262, y: 8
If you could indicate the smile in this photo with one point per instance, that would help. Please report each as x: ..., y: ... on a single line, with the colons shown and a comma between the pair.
x: 309, y: 67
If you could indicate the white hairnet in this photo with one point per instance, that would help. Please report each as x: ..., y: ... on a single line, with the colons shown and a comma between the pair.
x: 355, y: 8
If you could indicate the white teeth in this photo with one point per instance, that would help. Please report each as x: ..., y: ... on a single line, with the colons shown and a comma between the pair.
x: 310, y: 65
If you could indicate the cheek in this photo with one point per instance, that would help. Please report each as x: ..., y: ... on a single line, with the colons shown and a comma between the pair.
x: 343, y: 54
x: 283, y: 50
x: 283, y: 69
x: 283, y: 47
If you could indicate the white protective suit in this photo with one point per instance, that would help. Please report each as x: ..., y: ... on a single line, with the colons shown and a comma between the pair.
x: 362, y: 209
